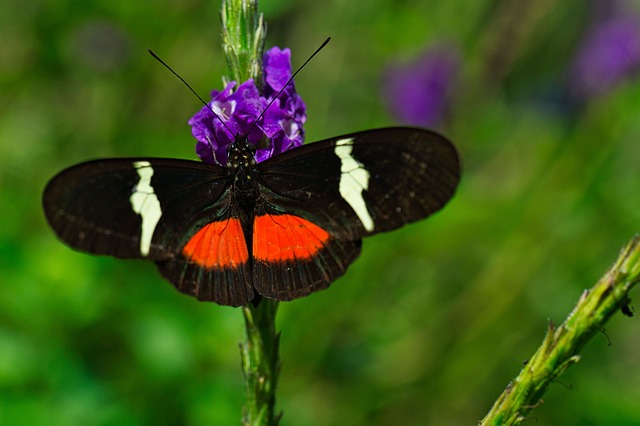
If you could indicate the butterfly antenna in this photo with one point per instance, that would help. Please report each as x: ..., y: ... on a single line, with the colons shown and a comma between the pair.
x: 287, y: 83
x: 157, y: 58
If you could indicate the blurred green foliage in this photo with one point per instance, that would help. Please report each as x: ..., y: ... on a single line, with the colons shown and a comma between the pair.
x: 432, y: 321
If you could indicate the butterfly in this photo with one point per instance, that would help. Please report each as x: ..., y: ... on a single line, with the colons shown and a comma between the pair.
x: 280, y: 229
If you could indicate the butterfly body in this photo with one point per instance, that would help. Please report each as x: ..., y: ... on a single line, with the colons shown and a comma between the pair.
x: 282, y: 228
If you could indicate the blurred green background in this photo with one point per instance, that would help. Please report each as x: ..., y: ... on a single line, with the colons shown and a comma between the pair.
x: 433, y: 320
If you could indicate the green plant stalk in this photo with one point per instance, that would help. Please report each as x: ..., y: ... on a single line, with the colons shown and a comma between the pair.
x: 243, y: 36
x: 260, y: 364
x: 560, y: 347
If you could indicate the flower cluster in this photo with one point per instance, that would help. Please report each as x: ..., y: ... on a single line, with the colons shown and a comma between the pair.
x: 279, y: 128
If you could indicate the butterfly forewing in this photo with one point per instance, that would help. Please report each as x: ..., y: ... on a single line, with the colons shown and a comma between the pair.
x: 364, y: 183
x: 131, y: 208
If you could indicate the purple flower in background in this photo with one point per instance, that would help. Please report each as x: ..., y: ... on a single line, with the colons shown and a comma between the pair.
x: 608, y: 55
x: 419, y: 92
x: 281, y: 125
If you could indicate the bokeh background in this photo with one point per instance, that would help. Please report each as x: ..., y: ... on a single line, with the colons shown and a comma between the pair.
x: 542, y: 98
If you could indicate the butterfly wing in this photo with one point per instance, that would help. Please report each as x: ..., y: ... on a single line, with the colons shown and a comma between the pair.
x: 175, y: 212
x: 293, y: 257
x: 318, y: 201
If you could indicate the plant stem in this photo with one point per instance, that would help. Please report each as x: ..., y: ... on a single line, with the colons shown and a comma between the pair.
x: 260, y: 363
x: 243, y: 36
x: 560, y: 347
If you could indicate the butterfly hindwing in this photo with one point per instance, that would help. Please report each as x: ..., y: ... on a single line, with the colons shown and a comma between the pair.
x: 293, y: 257
x: 214, y: 264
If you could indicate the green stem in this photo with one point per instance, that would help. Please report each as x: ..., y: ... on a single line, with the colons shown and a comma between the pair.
x: 243, y: 36
x: 560, y: 347
x: 260, y: 364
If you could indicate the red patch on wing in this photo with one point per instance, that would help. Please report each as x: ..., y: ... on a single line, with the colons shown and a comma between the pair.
x: 277, y: 238
x: 218, y: 245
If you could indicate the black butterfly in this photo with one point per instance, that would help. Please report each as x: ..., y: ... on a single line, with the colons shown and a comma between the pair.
x: 281, y: 229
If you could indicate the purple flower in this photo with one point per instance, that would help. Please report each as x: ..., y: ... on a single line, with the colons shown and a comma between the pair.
x: 419, y: 92
x: 280, y: 127
x: 608, y: 55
